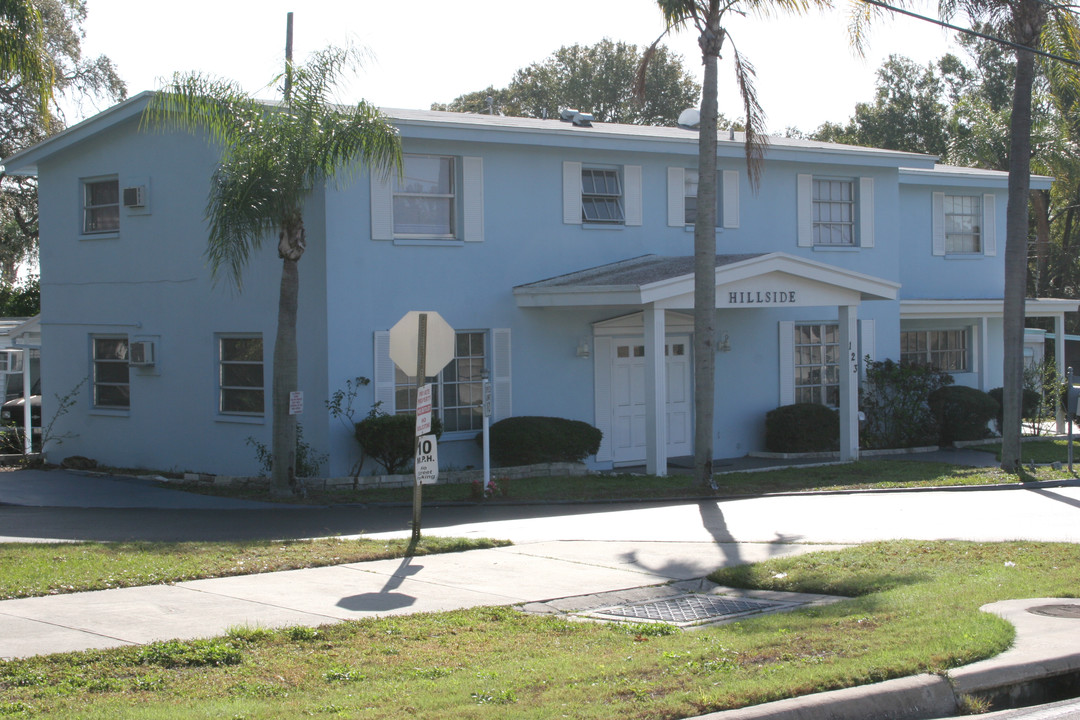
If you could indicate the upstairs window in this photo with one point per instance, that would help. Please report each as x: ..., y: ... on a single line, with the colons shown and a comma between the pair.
x: 834, y: 212
x: 112, y: 389
x: 690, y: 191
x: 963, y: 223
x: 425, y: 198
x: 601, y: 196
x: 101, y: 206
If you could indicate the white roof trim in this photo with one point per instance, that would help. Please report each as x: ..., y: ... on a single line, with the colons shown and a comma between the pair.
x: 991, y: 308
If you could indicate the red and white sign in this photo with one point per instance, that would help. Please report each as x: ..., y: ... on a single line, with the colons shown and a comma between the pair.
x: 423, y: 410
x: 296, y: 402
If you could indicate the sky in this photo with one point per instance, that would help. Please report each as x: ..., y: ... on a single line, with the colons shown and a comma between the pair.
x: 425, y: 51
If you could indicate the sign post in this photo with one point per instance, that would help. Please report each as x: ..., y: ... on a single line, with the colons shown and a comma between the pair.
x: 487, y: 428
x: 434, y: 347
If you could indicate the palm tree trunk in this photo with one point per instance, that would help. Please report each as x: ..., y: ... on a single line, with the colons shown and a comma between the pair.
x: 1016, y: 235
x: 705, y: 264
x: 283, y: 439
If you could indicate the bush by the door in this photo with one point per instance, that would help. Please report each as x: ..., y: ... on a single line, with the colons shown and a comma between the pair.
x: 802, y: 427
x: 528, y: 440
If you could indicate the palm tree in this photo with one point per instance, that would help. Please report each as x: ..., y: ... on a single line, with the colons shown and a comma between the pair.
x: 1031, y: 26
x: 22, y: 50
x: 707, y: 18
x: 272, y: 157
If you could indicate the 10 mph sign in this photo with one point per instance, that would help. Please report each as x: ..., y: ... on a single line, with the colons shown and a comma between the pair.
x: 427, y: 460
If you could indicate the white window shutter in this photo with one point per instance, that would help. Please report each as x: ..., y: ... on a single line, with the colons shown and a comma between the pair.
x: 571, y: 193
x: 730, y: 208
x: 382, y: 205
x: 787, y: 362
x: 602, y: 394
x: 938, y: 223
x: 866, y: 212
x: 867, y: 343
x: 384, y: 372
x: 472, y: 175
x: 989, y: 226
x: 676, y: 197
x: 500, y: 376
x: 632, y: 194
x: 805, y: 202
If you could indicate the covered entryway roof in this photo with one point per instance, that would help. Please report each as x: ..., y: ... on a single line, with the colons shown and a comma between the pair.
x: 748, y: 280
x: 657, y: 284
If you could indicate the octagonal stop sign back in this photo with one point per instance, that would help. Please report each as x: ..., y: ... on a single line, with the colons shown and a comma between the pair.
x: 403, y: 343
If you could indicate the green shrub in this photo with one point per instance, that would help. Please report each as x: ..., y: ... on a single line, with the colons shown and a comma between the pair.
x: 391, y: 439
x: 802, y: 427
x: 895, y: 402
x: 1030, y: 404
x: 528, y: 440
x: 962, y: 412
x: 193, y: 653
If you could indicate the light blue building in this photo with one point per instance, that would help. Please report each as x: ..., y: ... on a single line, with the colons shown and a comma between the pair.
x: 560, y: 253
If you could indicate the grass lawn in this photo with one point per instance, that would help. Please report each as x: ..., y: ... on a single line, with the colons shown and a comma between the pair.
x: 28, y: 569
x: 912, y: 607
x: 1046, y: 450
x: 862, y: 475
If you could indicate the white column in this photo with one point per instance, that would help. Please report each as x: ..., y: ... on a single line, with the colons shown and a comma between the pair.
x: 984, y: 353
x: 655, y: 392
x: 1059, y: 363
x: 849, y: 383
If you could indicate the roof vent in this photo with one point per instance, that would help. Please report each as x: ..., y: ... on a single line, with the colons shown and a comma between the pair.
x: 576, y: 117
x: 690, y: 118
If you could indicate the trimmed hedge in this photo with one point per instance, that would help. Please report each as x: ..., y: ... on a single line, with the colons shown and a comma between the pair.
x: 1029, y: 404
x: 802, y: 427
x: 962, y: 413
x: 528, y: 440
x: 391, y: 439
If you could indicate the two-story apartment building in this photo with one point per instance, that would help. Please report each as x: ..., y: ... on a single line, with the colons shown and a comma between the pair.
x: 559, y: 253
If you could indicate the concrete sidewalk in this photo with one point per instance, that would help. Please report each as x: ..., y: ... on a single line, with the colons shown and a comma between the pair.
x: 528, y: 573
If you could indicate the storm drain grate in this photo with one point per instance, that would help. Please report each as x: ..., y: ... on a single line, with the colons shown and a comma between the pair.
x: 686, y: 609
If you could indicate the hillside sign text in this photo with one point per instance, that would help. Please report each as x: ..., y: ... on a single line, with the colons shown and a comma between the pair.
x: 761, y: 297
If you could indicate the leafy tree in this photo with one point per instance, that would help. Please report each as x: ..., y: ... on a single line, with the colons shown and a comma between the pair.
x: 1029, y: 25
x: 598, y: 79
x: 73, y: 77
x: 707, y: 17
x: 22, y: 51
x: 23, y: 300
x: 271, y: 158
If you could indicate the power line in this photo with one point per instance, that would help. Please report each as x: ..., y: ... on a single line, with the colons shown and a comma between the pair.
x: 976, y: 33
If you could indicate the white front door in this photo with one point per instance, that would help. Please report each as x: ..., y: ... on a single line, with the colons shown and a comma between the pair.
x: 628, y: 399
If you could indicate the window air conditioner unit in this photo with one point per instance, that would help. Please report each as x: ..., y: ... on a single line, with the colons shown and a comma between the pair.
x: 135, y: 196
x: 142, y: 353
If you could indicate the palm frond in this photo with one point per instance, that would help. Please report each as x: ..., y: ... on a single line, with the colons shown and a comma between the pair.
x: 196, y: 102
x: 755, y: 139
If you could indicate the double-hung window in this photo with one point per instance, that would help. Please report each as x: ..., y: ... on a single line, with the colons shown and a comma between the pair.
x: 240, y: 375
x: 112, y: 389
x: 457, y: 392
x: 939, y: 349
x: 101, y: 206
x: 601, y: 196
x: 817, y: 364
x: 963, y: 223
x: 690, y: 191
x: 834, y: 212
x: 424, y: 199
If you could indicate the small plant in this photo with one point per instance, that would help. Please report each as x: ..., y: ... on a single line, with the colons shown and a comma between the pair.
x: 343, y: 673
x: 341, y: 409
x: 308, y: 461
x: 963, y: 413
x: 482, y: 492
x: 895, y: 400
x: 301, y: 633
x: 195, y: 653
x: 391, y: 439
x: 802, y: 427
x: 528, y: 440
x: 248, y: 634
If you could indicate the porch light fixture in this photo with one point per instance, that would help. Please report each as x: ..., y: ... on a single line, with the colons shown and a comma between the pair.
x: 583, y: 350
x: 725, y: 343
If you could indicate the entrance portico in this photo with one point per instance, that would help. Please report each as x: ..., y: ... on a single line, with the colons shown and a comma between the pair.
x: 654, y: 285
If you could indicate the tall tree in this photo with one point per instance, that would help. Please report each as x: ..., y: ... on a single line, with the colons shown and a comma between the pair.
x: 272, y: 157
x: 707, y: 17
x: 598, y: 79
x: 22, y: 50
x: 1030, y: 25
x: 76, y: 80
